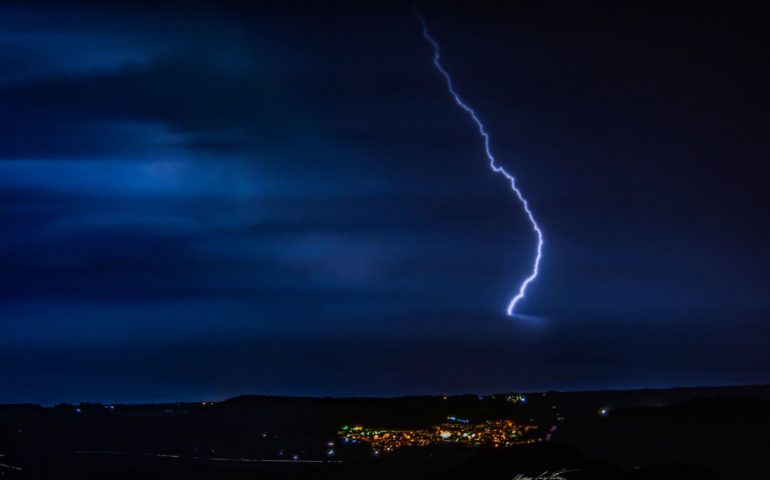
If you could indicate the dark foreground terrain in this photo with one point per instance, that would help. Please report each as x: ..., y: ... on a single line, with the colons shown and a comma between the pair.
x: 703, y: 433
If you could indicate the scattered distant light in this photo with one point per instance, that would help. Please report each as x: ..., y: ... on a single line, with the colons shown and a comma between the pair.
x: 604, y: 412
x: 77, y: 410
x: 515, y: 398
x: 330, y: 452
x: 295, y: 457
x: 452, y: 418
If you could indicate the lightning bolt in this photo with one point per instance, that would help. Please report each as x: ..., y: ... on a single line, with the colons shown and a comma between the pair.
x: 492, y: 165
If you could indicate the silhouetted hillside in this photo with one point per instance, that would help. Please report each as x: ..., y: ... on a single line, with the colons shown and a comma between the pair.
x: 651, y: 434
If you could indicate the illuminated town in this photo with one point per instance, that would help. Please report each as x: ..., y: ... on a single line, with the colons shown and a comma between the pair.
x: 497, y: 433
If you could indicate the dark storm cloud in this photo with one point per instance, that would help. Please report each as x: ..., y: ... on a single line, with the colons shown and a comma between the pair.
x: 188, y: 125
x: 272, y: 185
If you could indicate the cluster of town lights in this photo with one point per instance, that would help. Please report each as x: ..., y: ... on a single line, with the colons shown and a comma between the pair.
x: 496, y: 433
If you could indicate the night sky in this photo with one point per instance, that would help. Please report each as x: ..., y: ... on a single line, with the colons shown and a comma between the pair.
x: 203, y: 201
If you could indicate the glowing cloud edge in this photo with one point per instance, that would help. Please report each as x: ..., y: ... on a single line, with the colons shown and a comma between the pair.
x: 492, y: 165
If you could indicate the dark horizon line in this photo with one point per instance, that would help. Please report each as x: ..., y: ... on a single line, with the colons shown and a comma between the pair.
x: 396, y: 397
